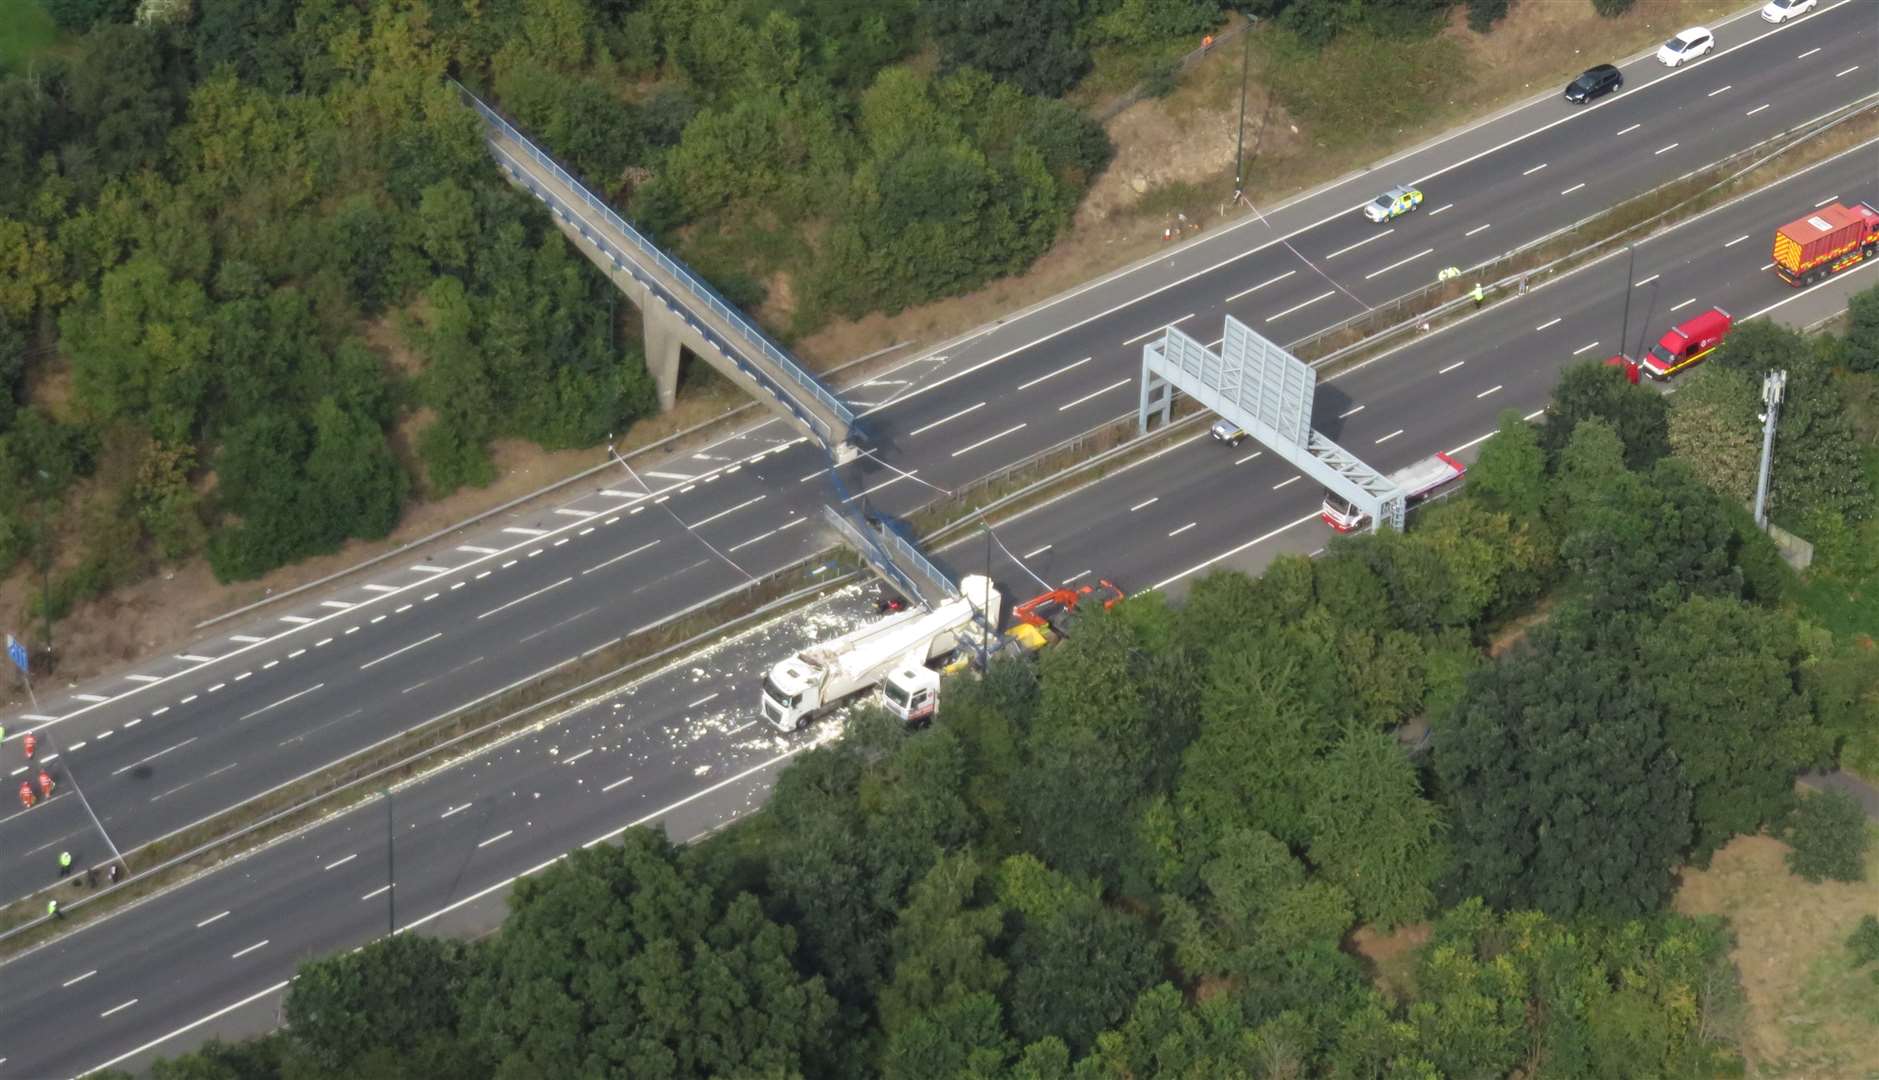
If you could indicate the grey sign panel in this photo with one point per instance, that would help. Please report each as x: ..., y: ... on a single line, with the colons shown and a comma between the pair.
x: 1274, y: 386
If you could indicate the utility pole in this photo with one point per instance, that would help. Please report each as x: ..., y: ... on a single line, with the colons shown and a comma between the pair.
x: 391, y: 875
x: 1624, y: 328
x: 1239, y: 137
x: 1773, y: 384
x: 985, y: 623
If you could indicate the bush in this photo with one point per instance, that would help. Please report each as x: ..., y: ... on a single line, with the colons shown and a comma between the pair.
x: 1864, y: 944
x: 1611, y: 9
x: 1161, y: 79
x: 1828, y: 837
x: 1483, y: 14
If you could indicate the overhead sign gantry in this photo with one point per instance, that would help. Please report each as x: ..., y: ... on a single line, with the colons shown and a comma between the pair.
x: 1267, y: 392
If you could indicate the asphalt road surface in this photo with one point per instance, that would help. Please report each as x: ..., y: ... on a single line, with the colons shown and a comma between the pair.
x: 177, y: 738
x: 685, y: 748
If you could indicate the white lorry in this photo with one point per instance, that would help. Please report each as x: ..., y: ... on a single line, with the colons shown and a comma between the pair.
x: 892, y: 653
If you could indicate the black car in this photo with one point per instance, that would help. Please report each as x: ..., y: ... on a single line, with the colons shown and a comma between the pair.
x: 1594, y: 83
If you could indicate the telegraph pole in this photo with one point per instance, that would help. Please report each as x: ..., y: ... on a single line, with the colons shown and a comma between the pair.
x: 391, y: 868
x: 1624, y: 328
x: 1239, y: 137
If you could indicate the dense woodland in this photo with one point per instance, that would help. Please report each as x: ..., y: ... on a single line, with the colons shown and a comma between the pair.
x: 1158, y: 848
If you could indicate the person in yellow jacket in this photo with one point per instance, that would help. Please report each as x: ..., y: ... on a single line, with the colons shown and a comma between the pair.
x: 1478, y: 295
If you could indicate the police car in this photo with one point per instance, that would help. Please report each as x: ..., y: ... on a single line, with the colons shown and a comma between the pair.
x: 1397, y: 200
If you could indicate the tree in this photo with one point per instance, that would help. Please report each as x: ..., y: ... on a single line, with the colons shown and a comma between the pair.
x: 140, y: 350
x: 1725, y: 677
x: 616, y: 961
x: 1638, y: 415
x: 1152, y: 22
x: 1648, y: 545
x: 1713, y: 429
x: 1032, y: 43
x: 1563, y: 793
x: 1373, y: 833
x: 1510, y: 473
x: 392, y: 997
x: 1827, y: 838
x: 1862, y: 330
x: 352, y: 478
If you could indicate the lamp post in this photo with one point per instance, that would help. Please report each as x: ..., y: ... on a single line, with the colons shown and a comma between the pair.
x: 1239, y: 136
x: 391, y: 867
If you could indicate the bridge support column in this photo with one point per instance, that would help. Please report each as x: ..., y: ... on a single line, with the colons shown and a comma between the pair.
x: 663, y: 336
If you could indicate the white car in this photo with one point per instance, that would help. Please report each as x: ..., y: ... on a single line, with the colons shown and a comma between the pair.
x: 1778, y: 11
x: 1686, y: 46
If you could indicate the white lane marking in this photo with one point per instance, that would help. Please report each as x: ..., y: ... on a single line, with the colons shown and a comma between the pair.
x: 1719, y: 90
x: 91, y: 697
x: 572, y: 758
x: 1476, y: 229
x: 432, y: 596
x: 1074, y: 578
x: 1848, y: 71
x: 380, y: 891
x: 1261, y: 285
x: 1052, y: 375
x: 187, y: 700
x: 340, y: 863
x: 474, y: 550
x: 1352, y: 412
x: 1163, y: 328
x: 1361, y: 243
x: 1535, y: 169
x: 399, y: 651
x: 341, y: 605
x: 145, y: 678
x: 297, y: 620
x: 1573, y: 188
x: 615, y: 784
x: 617, y: 558
x: 1303, y: 306
x: 1313, y: 516
x: 703, y: 700
x: 1150, y: 501
x: 153, y: 757
x: 520, y: 599
x: 954, y: 416
x: 1451, y: 367
x: 1665, y: 149
x: 1685, y: 304
x: 1585, y: 348
x: 610, y: 492
x: 1039, y: 551
x: 1283, y: 483
x: 519, y: 530
x: 1767, y: 265
x: 813, y: 475
x: 239, y: 953
x: 216, y: 687
x: 380, y: 588
x: 583, y: 532
x: 1399, y: 262
x: 569, y: 511
x: 889, y: 482
x: 1439, y: 209
x: 765, y: 536
x: 72, y: 749
x: 117, y: 1008
x: 1808, y: 53
x: 1184, y: 528
x: 284, y: 700
x: 159, y: 712
x: 453, y: 810
x: 1737, y: 240
x: 1647, y: 281
x: 431, y: 568
x: 1825, y: 201
x: 402, y: 608
x: 499, y: 836
x: 1630, y: 129
x: 1096, y: 394
x: 1390, y: 436
x: 993, y: 438
x: 276, y: 663
x: 246, y: 639
x: 1249, y: 457
x: 1548, y: 323
x: 322, y: 643
x: 193, y: 658
x: 732, y: 510
x: 79, y: 979
x: 687, y: 487
x: 670, y: 475
x: 1488, y: 391
x: 1755, y: 110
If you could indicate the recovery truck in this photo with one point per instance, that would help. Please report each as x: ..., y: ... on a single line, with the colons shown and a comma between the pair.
x: 818, y: 678
x: 1826, y: 241
x: 1417, y: 481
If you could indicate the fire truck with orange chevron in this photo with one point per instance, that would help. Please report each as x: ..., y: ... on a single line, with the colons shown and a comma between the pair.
x: 1826, y: 241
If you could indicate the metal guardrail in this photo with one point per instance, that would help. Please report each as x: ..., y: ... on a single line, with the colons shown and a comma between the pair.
x: 699, y: 289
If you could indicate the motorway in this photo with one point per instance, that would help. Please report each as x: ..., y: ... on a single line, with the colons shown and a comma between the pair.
x: 179, y: 738
x: 284, y: 702
x: 685, y: 747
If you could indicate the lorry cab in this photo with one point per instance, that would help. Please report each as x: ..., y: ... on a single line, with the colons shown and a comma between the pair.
x: 1687, y: 343
x: 911, y: 692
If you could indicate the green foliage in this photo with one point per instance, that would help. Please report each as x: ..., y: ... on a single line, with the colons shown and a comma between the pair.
x: 1827, y: 838
x: 1483, y: 14
x: 397, y: 996
x: 1612, y: 8
x: 1372, y: 832
x: 1862, y: 330
x: 80, y: 15
x: 1564, y: 792
x: 1510, y: 473
x: 1150, y: 22
x: 1031, y: 43
x: 1405, y: 74
x: 1638, y: 415
x: 1864, y: 942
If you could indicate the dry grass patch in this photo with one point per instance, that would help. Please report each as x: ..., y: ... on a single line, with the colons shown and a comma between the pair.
x: 1810, y: 1013
x: 1392, y: 957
